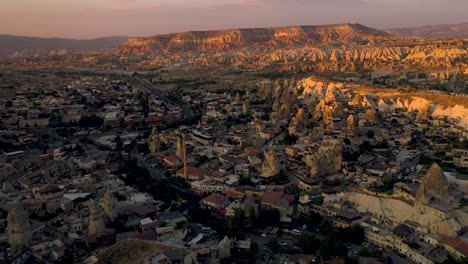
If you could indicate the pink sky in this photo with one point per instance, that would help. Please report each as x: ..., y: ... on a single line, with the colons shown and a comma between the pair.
x: 98, y: 18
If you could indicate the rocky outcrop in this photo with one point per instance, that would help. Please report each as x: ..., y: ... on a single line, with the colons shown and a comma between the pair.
x: 224, y: 248
x: 434, y: 185
x: 398, y: 212
x: 153, y: 141
x: 327, y: 160
x: 425, y: 105
x: 19, y: 228
x: 109, y: 204
x: 336, y: 48
x: 271, y: 165
x: 237, y: 38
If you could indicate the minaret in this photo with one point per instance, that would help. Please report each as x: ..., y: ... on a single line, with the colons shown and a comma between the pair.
x: 179, y: 149
x: 184, y: 149
x: 153, y: 141
x: 19, y: 228
x: 238, y: 99
x: 245, y: 107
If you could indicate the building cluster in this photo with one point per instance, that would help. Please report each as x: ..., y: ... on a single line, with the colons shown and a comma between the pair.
x: 293, y: 147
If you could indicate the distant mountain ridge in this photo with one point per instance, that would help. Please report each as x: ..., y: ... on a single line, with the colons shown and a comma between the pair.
x: 433, y: 31
x: 19, y: 45
x: 234, y: 38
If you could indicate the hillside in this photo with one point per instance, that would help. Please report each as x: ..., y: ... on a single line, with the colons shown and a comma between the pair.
x: 131, y: 251
x: 238, y: 38
x: 433, y: 31
x: 17, y: 46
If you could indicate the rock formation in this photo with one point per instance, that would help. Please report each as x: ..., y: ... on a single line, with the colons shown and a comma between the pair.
x: 297, y: 121
x: 351, y: 123
x: 237, y: 38
x: 369, y: 116
x: 425, y: 104
x: 434, y: 186
x: 109, y: 203
x: 7, y: 187
x: 328, y: 116
x: 224, y: 248
x: 423, y: 113
x: 153, y: 141
x: 96, y: 219
x: 19, y: 228
x: 327, y: 160
x: 399, y: 211
x: 271, y: 165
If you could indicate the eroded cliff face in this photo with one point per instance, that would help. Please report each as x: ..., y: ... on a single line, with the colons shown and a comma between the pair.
x: 435, y: 105
x: 240, y: 38
x: 425, y: 104
x: 335, y: 48
x: 399, y: 211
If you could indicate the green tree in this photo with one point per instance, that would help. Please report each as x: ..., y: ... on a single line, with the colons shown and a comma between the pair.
x: 308, y: 243
x: 252, y: 216
x: 118, y: 143
x: 289, y: 139
x: 267, y: 217
x: 347, y: 141
x: 312, y: 219
x: 235, y: 226
x: 273, y: 244
x: 366, y: 146
x: 331, y: 247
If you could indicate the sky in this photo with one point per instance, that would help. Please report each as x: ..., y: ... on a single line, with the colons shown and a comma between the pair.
x: 101, y: 18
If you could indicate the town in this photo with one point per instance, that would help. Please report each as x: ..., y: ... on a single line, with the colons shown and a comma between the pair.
x: 98, y: 167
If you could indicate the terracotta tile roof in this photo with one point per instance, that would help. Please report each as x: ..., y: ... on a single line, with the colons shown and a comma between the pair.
x: 273, y: 197
x: 231, y: 159
x: 457, y: 244
x: 216, y: 199
x: 49, y: 188
x: 192, y: 172
x: 289, y: 197
x: 250, y: 151
x: 143, y: 210
x: 171, y: 158
x: 235, y: 194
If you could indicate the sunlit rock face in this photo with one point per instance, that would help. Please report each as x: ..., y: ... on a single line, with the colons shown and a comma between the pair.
x: 271, y: 165
x: 327, y: 160
x: 153, y: 141
x: 351, y: 122
x: 434, y: 185
x: 19, y: 228
x: 239, y: 38
x: 335, y: 48
x: 398, y: 211
x: 424, y: 105
x: 109, y: 204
